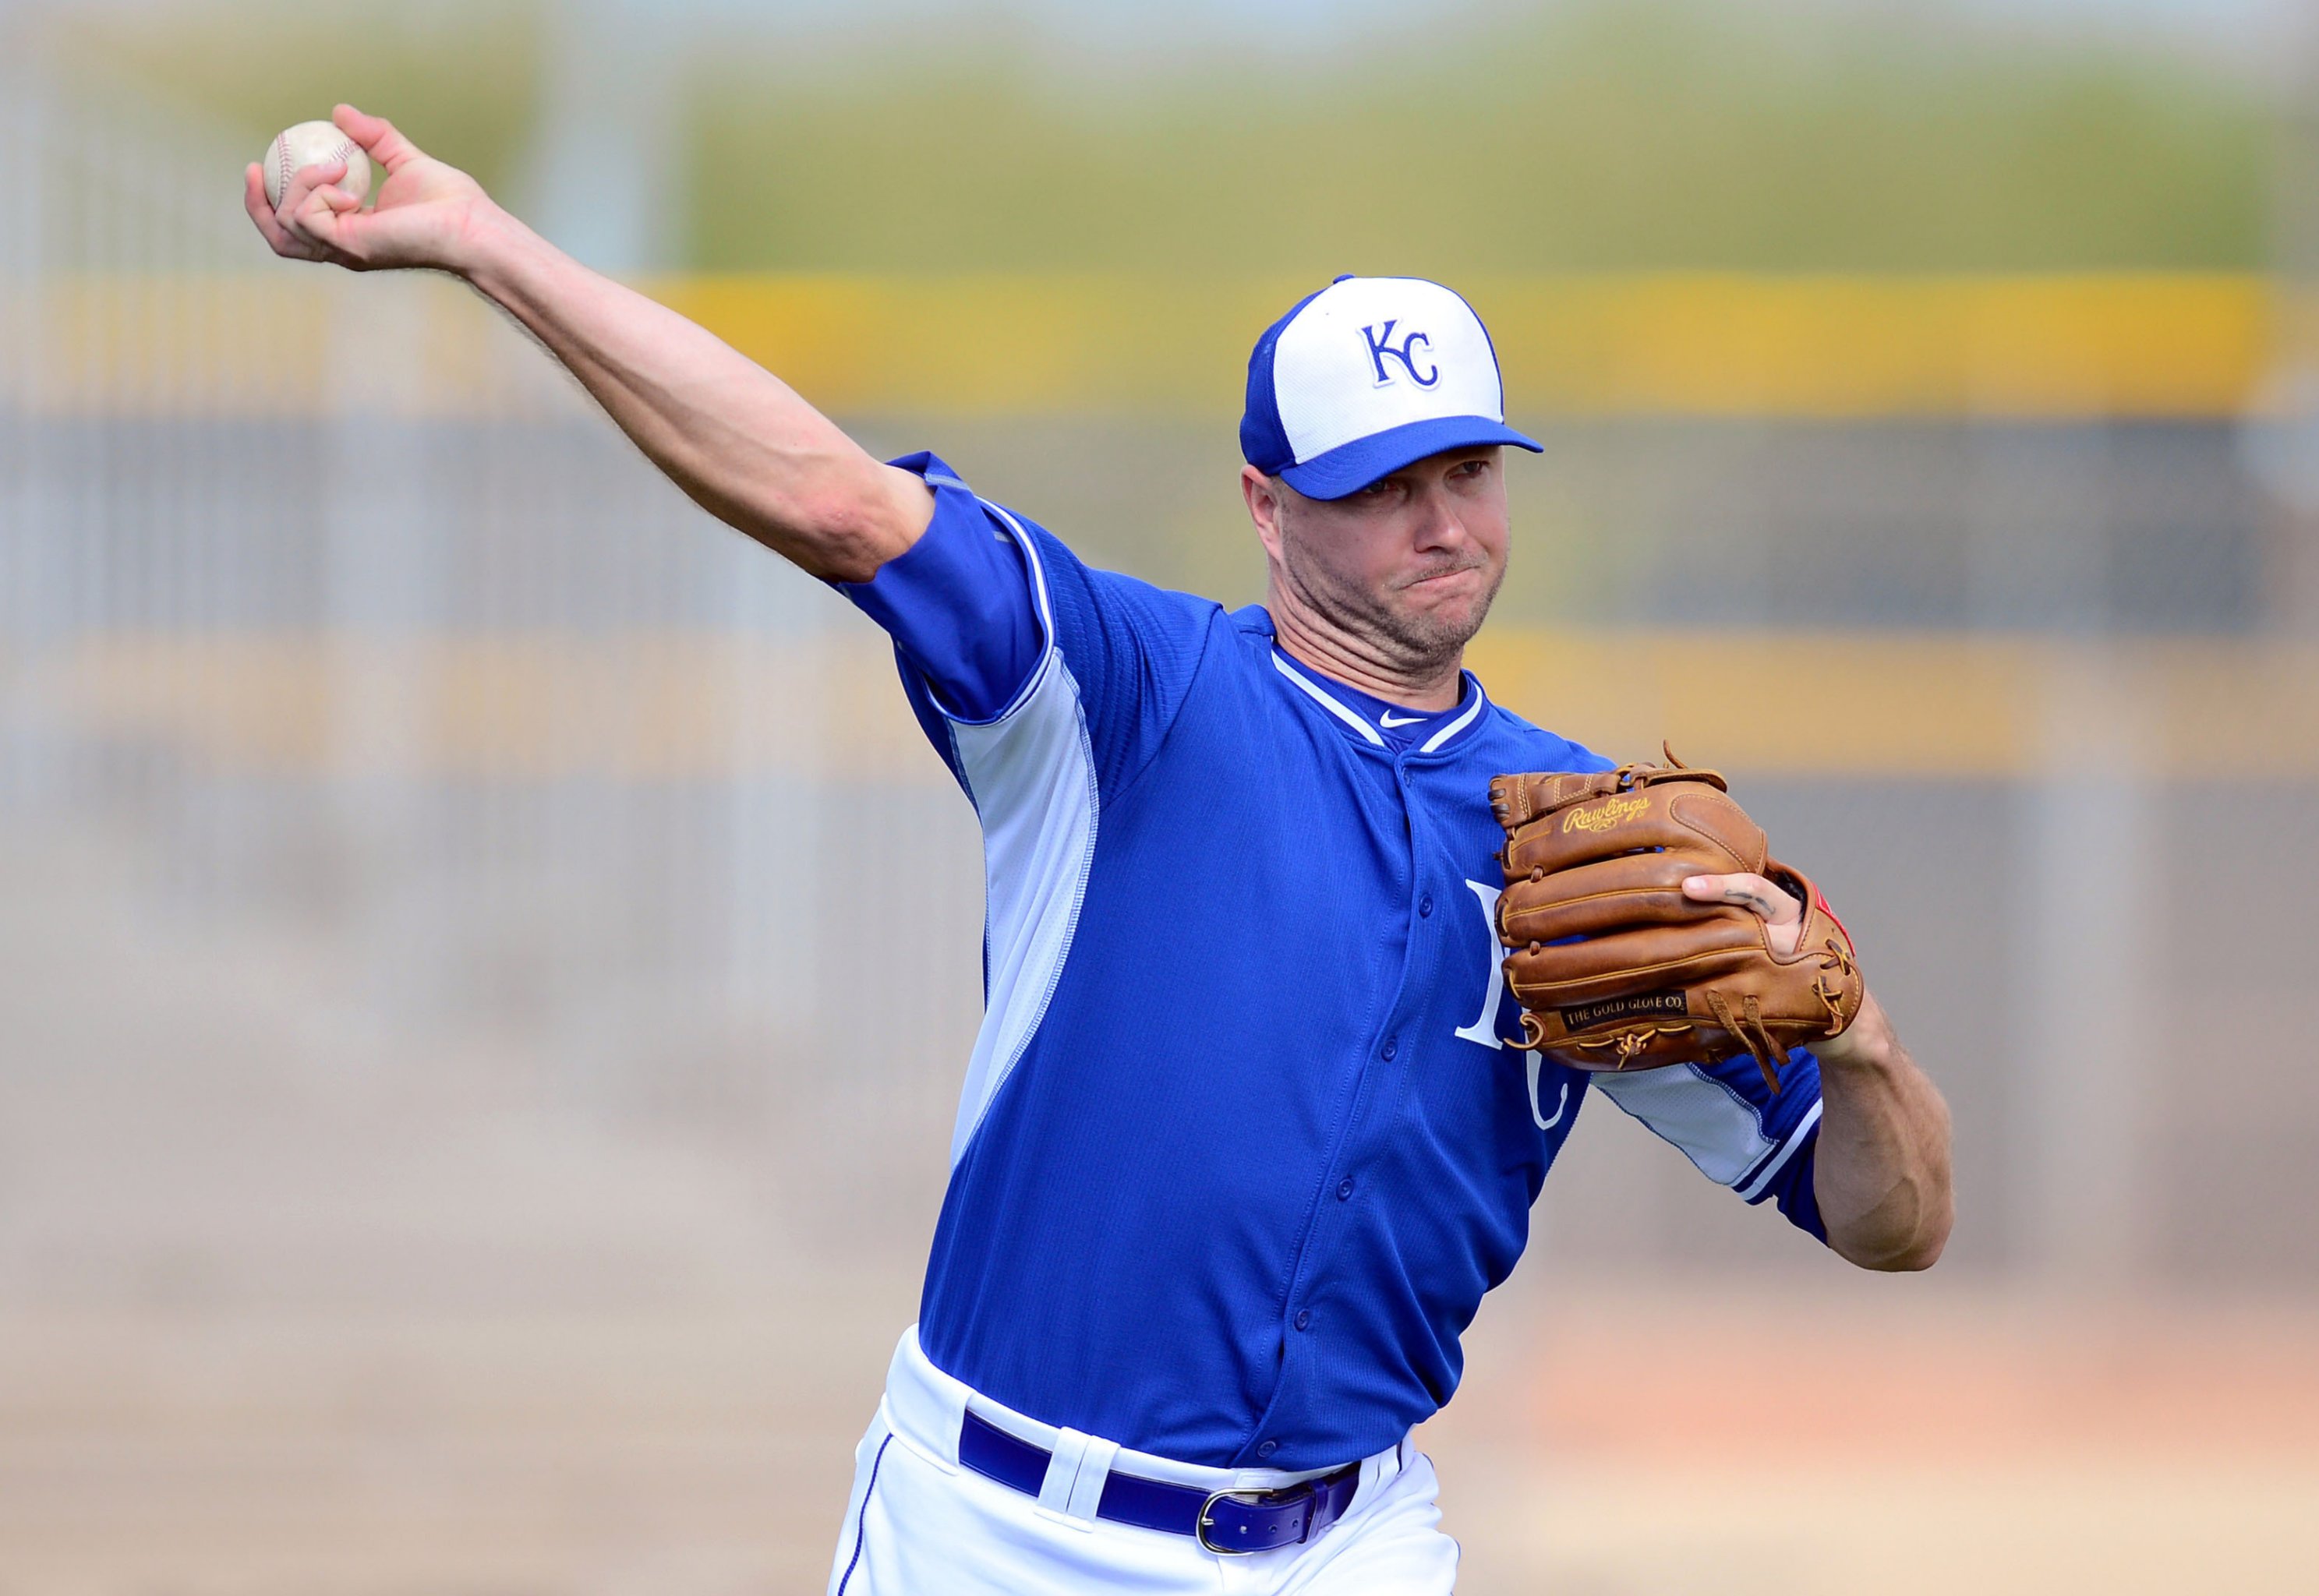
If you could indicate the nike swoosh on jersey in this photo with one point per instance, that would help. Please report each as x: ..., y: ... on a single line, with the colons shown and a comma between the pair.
x: 1390, y: 719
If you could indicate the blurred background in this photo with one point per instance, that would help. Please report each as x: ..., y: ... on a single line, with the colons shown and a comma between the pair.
x: 486, y: 962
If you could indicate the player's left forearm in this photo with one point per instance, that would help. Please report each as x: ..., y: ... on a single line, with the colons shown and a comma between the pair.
x: 1882, y: 1168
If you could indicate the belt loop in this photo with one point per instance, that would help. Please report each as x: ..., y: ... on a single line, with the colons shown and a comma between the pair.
x: 1094, y: 1470
x: 1063, y: 1470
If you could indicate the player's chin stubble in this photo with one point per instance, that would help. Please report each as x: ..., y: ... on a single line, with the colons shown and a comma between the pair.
x: 1405, y: 634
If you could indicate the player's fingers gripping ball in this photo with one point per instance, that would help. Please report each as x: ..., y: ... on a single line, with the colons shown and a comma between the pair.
x: 1614, y: 967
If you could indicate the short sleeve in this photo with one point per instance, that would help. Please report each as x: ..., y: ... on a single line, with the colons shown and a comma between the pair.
x: 1736, y: 1130
x: 960, y: 604
x: 990, y: 612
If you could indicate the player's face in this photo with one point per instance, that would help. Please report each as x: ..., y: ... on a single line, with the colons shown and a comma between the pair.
x: 1409, y: 564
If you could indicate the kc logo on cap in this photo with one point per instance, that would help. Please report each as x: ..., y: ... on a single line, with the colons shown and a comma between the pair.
x: 1381, y: 349
x: 1366, y: 376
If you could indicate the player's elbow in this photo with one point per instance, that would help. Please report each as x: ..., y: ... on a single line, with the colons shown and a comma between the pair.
x: 1922, y: 1255
x: 1908, y: 1252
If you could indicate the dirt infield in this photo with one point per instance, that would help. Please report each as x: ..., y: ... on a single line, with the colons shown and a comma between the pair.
x: 1948, y: 1441
x: 1955, y: 1448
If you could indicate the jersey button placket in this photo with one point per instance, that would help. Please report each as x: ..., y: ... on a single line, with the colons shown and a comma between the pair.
x: 1304, y: 1319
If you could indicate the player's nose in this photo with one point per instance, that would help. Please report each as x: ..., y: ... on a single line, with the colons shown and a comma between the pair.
x: 1439, y: 523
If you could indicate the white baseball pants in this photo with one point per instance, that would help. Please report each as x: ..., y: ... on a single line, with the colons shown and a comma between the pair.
x: 919, y: 1524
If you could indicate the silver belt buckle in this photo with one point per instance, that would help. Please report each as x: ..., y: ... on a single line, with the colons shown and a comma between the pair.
x: 1200, y: 1530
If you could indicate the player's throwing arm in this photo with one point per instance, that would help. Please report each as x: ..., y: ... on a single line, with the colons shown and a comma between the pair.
x: 734, y: 436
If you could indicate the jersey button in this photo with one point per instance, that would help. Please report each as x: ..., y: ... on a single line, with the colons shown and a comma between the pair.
x: 1267, y: 1448
x: 1344, y: 1188
x: 1391, y: 1046
x: 1304, y: 1319
x: 1425, y: 906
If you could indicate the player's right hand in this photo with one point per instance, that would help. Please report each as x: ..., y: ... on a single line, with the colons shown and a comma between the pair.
x: 427, y: 214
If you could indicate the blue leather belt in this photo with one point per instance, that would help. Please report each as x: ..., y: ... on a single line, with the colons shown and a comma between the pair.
x: 1228, y: 1521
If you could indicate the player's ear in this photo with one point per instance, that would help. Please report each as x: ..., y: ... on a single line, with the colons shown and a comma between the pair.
x: 1266, y: 502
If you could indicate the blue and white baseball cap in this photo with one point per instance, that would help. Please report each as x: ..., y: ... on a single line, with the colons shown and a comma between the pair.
x: 1366, y: 376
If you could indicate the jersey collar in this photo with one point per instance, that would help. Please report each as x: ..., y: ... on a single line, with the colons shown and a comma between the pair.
x: 1330, y: 697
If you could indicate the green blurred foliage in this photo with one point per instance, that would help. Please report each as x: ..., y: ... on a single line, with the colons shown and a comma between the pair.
x: 1597, y: 135
x: 463, y: 78
x: 1611, y: 135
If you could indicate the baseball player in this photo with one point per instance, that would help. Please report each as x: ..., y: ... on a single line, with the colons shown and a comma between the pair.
x: 1252, y: 1121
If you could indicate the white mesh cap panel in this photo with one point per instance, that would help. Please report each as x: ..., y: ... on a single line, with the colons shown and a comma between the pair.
x: 1325, y: 372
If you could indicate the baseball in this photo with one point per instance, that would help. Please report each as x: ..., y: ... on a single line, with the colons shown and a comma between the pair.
x: 310, y: 144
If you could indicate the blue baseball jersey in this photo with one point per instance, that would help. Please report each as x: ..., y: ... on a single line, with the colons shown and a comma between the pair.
x: 1242, y: 1142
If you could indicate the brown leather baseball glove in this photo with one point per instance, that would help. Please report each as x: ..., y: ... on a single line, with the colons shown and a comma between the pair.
x: 1614, y: 967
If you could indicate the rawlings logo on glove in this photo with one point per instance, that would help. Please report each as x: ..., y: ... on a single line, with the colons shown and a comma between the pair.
x: 1604, y: 816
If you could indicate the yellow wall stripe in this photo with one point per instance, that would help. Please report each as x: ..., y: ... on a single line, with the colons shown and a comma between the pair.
x: 1680, y: 345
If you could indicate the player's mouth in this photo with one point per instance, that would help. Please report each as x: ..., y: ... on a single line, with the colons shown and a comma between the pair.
x: 1431, y: 581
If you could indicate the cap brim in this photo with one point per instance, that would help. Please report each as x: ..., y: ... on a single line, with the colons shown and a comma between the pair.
x: 1353, y: 466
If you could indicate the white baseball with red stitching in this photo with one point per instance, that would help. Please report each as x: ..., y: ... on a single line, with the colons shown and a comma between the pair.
x: 310, y: 144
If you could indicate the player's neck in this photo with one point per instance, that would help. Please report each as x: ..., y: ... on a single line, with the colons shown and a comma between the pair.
x: 1323, y: 649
